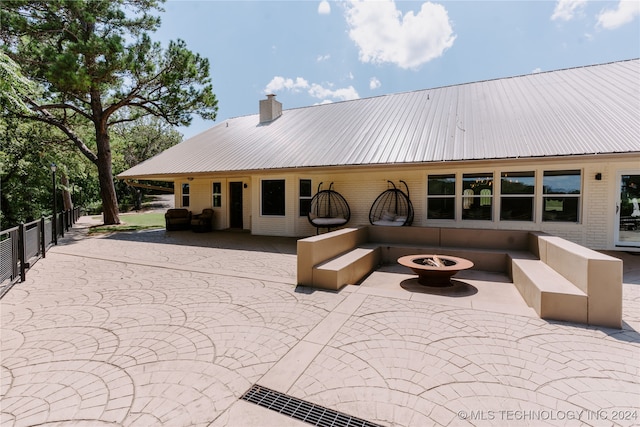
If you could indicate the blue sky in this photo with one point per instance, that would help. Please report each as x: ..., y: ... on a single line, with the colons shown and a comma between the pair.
x: 310, y: 52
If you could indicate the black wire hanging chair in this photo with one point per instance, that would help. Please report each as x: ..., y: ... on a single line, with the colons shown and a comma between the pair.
x: 328, y: 209
x: 392, y: 208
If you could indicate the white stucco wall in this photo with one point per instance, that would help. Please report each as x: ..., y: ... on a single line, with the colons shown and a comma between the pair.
x: 360, y: 186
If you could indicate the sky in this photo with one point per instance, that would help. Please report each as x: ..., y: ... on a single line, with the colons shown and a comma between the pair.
x: 313, y: 52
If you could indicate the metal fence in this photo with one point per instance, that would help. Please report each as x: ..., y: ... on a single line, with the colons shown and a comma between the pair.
x: 22, y: 246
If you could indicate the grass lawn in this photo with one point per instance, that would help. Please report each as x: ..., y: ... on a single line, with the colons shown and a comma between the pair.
x: 132, y: 222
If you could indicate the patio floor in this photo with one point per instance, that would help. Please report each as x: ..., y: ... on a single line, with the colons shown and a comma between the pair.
x: 172, y: 328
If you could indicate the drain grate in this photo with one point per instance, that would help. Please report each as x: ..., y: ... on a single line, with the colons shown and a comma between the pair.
x: 299, y: 409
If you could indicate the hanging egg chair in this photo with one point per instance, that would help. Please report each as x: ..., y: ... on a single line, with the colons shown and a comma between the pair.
x: 328, y: 209
x: 392, y: 208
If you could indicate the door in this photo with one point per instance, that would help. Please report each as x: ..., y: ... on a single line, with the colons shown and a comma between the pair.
x: 235, y: 205
x: 628, y: 210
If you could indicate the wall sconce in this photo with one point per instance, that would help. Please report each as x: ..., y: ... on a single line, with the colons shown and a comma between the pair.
x: 245, y: 185
x: 598, y: 176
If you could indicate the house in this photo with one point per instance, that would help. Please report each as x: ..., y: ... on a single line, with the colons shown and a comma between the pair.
x: 557, y: 152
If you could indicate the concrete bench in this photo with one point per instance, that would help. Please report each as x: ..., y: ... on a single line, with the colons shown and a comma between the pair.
x: 552, y: 296
x: 598, y: 275
x: 348, y: 268
x: 559, y: 279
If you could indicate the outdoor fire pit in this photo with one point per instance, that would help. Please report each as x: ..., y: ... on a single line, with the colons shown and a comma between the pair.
x: 435, y: 270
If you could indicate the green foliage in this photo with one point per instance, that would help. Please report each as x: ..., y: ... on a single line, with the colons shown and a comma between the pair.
x: 26, y: 154
x: 99, y: 67
x: 13, y: 86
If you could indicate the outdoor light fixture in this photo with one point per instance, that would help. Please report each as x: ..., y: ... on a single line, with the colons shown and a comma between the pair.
x: 54, y: 168
x: 598, y: 176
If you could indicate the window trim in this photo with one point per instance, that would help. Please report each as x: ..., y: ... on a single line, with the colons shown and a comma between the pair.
x: 185, y: 196
x: 480, y: 196
x: 532, y: 196
x: 579, y: 196
x: 215, y: 194
x: 301, y: 197
x: 284, y: 198
x: 453, y: 196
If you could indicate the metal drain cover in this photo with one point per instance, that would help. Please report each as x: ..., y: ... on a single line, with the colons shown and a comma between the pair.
x: 299, y: 409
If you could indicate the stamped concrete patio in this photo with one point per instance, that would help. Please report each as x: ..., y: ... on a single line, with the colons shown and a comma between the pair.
x: 171, y: 328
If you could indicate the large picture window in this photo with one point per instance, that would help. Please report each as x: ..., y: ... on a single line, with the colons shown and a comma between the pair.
x: 305, y: 197
x: 561, y: 196
x: 517, y: 190
x: 441, y: 197
x: 185, y: 195
x: 273, y: 197
x: 217, y: 194
x: 477, y: 196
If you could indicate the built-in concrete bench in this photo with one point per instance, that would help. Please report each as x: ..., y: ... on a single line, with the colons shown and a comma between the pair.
x: 346, y: 268
x: 559, y: 279
x: 552, y: 296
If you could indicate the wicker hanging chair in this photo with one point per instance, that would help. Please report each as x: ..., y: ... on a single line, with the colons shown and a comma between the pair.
x: 392, y: 208
x: 328, y: 209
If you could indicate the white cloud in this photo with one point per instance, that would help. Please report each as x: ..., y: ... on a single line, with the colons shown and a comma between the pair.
x: 536, y: 70
x: 374, y: 83
x: 566, y: 9
x: 321, y: 58
x: 324, y: 8
x: 325, y: 93
x: 626, y: 12
x: 279, y: 83
x: 383, y: 34
x: 343, y: 94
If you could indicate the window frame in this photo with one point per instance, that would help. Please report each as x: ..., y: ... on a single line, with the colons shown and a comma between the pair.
x: 185, y: 195
x: 480, y: 198
x: 216, y: 196
x: 442, y: 197
x: 548, y: 218
x: 526, y: 195
x: 274, y: 211
x: 304, y: 199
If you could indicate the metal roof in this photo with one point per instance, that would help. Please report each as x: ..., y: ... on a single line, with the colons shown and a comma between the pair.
x: 585, y: 110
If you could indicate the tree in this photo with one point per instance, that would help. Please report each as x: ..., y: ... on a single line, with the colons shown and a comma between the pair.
x: 139, y: 141
x: 98, y: 65
x: 14, y: 86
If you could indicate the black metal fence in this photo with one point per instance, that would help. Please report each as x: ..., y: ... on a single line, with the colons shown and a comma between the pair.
x: 22, y: 246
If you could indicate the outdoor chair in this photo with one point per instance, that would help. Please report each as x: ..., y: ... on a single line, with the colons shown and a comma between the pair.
x: 177, y: 219
x: 202, y: 223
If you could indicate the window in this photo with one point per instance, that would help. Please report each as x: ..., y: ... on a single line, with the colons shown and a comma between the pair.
x: 185, y: 195
x: 217, y: 194
x: 561, y: 196
x: 517, y: 191
x: 477, y: 196
x: 305, y: 197
x: 441, y: 197
x: 273, y: 197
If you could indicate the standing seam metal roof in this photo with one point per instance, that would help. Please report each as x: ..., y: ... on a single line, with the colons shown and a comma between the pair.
x: 586, y: 110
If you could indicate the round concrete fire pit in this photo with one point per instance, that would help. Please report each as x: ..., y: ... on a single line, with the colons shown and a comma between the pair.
x: 435, y: 270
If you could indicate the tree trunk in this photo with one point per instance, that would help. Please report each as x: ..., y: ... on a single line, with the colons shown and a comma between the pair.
x: 67, y: 203
x: 105, y: 176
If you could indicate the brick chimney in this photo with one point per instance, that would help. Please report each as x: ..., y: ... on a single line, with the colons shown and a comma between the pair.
x: 270, y: 109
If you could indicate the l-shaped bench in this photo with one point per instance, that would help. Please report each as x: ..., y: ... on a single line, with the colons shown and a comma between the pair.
x: 559, y: 279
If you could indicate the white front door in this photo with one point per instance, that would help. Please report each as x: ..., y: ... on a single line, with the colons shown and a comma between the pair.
x: 627, y: 232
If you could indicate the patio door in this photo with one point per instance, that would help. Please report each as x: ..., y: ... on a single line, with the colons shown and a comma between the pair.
x: 235, y: 205
x: 627, y: 233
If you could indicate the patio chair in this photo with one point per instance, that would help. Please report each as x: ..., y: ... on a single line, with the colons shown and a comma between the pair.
x: 177, y: 219
x: 202, y: 222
